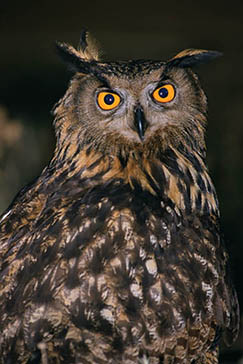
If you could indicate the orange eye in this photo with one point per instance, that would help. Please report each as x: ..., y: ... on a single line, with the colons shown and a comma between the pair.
x: 165, y: 93
x: 108, y: 100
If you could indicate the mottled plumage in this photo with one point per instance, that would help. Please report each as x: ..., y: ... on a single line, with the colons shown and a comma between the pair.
x: 114, y: 254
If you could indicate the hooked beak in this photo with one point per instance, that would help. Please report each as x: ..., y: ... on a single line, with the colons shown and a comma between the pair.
x: 140, y: 122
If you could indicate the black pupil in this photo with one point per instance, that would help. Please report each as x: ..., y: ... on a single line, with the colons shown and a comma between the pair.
x: 163, y: 92
x: 109, y: 99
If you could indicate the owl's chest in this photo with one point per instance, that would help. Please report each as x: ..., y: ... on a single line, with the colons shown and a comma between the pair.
x: 120, y: 264
x: 135, y: 219
x: 146, y: 263
x: 145, y: 238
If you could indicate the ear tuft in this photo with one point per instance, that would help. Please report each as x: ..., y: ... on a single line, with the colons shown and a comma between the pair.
x: 73, y: 58
x: 88, y: 46
x: 81, y: 59
x: 192, y: 57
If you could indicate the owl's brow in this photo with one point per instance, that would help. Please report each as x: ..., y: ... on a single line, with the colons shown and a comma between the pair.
x: 164, y: 77
x: 102, y: 79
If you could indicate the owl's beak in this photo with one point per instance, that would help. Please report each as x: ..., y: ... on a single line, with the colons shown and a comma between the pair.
x: 140, y: 122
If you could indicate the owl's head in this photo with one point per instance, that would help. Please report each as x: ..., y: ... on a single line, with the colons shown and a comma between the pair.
x: 139, y: 105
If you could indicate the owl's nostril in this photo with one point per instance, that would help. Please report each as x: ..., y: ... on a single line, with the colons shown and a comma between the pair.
x: 140, y: 122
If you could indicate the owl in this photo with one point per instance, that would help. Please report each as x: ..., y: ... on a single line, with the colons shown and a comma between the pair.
x: 114, y: 253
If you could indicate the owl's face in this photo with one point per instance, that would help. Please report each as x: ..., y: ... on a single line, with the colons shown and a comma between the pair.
x: 138, y: 107
x: 132, y: 104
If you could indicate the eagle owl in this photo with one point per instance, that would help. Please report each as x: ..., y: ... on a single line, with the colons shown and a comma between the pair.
x: 114, y: 253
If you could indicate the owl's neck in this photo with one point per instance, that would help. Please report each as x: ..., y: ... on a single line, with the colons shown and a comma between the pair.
x: 178, y: 174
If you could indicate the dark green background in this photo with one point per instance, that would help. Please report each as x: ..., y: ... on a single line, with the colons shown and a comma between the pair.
x: 32, y: 79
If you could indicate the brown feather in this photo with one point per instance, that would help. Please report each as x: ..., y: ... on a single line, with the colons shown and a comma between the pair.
x: 114, y: 253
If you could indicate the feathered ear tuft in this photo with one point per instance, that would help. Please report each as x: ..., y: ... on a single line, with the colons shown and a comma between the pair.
x: 89, y: 48
x: 83, y: 59
x: 192, y: 57
x: 72, y: 57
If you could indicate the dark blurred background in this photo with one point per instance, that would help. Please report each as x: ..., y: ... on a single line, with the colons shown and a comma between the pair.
x: 32, y: 79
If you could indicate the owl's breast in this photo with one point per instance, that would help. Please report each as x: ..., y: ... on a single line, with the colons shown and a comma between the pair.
x: 144, y: 278
x: 114, y: 267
